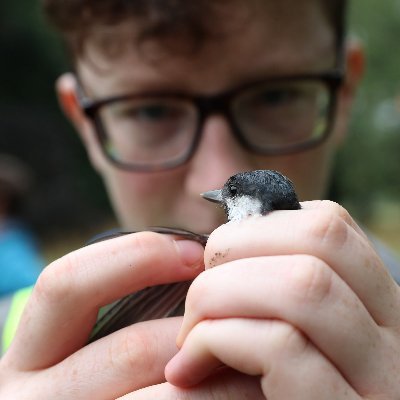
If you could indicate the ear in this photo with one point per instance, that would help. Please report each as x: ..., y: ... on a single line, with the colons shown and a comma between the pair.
x: 355, y: 66
x: 66, y: 87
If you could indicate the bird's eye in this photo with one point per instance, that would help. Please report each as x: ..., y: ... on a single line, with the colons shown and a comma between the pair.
x: 233, y: 190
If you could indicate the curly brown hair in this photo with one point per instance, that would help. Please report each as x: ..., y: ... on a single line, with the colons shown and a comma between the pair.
x: 74, y: 19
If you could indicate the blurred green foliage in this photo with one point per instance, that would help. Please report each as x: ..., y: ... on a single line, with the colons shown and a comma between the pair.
x: 368, y: 167
x: 69, y: 194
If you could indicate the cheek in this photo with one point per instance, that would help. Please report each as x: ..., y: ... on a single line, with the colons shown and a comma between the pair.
x: 311, y: 171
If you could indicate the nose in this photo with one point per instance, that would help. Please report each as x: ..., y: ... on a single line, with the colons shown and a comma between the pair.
x: 217, y: 157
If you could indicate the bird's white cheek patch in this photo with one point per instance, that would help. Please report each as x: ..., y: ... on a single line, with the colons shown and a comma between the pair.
x: 242, y: 207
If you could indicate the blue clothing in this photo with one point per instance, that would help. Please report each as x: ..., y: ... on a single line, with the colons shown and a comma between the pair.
x: 20, y: 261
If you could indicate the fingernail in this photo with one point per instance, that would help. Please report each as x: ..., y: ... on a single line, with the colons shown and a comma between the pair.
x: 191, y: 252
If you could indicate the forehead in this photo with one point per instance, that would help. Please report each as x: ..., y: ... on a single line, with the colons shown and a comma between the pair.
x: 257, y: 39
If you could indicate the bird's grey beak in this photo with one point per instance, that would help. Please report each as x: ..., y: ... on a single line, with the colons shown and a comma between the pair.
x: 213, y: 195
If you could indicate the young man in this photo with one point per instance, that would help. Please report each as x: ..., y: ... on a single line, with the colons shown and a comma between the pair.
x: 179, y: 96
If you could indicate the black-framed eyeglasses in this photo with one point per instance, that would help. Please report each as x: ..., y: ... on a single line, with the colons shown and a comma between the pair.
x: 159, y: 131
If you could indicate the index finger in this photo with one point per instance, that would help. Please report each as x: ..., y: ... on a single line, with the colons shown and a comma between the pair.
x: 65, y: 301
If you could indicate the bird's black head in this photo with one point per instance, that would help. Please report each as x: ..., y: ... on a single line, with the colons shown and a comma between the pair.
x: 255, y: 193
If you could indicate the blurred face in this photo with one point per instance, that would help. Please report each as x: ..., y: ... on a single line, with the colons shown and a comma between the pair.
x: 265, y: 39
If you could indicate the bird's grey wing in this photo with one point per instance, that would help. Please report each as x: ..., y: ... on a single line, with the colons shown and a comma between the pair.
x: 150, y: 303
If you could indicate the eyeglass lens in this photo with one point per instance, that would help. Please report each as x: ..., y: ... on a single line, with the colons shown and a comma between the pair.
x: 270, y: 116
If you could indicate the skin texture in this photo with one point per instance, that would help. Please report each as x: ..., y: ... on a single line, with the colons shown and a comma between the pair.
x: 300, y: 295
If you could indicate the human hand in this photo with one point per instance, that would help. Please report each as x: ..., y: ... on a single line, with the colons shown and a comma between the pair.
x: 299, y: 298
x: 48, y: 358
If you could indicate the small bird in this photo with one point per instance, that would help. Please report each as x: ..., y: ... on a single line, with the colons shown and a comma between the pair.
x: 254, y: 193
x: 244, y: 194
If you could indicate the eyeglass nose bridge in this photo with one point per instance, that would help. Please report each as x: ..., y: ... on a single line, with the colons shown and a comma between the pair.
x: 214, y: 106
x: 209, y: 105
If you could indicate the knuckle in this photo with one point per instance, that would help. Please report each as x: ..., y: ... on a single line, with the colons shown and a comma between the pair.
x: 151, y: 245
x: 328, y: 226
x: 131, y: 351
x: 311, y: 280
x: 142, y: 242
x: 289, y: 340
x: 337, y: 209
x: 56, y: 282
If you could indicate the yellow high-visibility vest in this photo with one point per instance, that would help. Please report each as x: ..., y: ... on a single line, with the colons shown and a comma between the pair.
x: 18, y: 303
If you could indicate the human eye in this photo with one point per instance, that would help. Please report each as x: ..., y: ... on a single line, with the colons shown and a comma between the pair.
x: 284, y: 99
x: 283, y: 112
x: 277, y: 96
x: 149, y: 112
x: 148, y: 123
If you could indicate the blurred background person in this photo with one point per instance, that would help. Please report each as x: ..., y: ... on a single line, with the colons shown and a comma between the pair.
x: 20, y: 260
